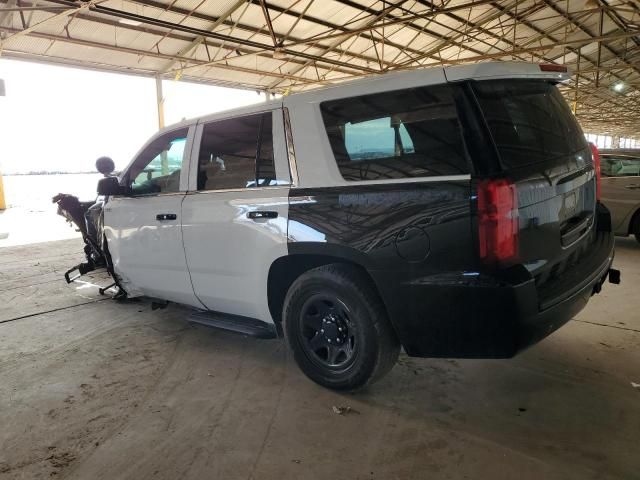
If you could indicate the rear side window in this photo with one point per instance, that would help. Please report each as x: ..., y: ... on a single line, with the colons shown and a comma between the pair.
x: 237, y: 153
x: 529, y: 121
x: 401, y: 134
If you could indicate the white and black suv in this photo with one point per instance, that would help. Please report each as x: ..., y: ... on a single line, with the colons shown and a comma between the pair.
x: 451, y: 211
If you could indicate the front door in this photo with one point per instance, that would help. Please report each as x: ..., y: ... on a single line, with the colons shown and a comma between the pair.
x: 235, y: 219
x: 143, y: 229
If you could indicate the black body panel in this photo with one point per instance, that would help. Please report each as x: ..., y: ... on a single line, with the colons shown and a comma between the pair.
x: 441, y: 305
x: 409, y: 227
x: 400, y: 233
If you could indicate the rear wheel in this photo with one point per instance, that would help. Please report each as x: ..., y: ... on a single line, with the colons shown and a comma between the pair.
x: 337, y: 328
x: 635, y: 226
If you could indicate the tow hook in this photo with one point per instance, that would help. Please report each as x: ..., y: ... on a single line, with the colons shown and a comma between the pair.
x: 614, y: 276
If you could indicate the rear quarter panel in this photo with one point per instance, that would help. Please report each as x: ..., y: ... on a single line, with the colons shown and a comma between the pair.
x: 400, y: 233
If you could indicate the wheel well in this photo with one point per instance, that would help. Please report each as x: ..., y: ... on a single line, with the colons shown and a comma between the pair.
x: 635, y: 220
x: 285, y: 270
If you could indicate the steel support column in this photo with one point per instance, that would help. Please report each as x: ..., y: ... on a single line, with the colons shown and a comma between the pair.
x: 160, y: 101
x: 160, y: 105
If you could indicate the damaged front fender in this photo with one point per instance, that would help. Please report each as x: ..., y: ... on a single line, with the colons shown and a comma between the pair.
x: 88, y: 218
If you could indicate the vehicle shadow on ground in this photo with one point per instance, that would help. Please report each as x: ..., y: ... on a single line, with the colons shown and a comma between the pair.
x: 627, y: 243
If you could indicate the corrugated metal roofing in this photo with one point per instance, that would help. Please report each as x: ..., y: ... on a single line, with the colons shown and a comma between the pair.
x: 284, y: 46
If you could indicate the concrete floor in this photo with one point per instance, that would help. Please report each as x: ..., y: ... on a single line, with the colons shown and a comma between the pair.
x: 94, y: 389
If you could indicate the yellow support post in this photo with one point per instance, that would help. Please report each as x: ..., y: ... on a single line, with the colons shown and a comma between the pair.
x: 3, y: 204
x: 160, y: 103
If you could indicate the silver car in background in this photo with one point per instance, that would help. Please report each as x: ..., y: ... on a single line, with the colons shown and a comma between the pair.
x: 620, y: 171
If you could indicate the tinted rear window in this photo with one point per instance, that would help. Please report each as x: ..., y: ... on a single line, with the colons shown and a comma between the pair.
x: 529, y: 120
x: 401, y: 134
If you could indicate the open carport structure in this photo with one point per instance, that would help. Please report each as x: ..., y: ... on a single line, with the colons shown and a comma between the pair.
x: 284, y: 46
x: 93, y: 388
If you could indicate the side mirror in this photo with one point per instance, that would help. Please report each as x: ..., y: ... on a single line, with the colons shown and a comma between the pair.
x: 109, y: 186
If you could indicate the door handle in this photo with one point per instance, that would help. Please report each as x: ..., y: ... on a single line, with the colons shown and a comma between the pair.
x: 258, y: 214
x: 166, y: 216
x: 633, y: 186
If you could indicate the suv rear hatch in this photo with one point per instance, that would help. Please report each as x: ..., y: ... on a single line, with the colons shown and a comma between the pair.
x: 541, y: 151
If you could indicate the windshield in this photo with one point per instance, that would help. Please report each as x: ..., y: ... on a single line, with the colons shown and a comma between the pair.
x: 529, y: 120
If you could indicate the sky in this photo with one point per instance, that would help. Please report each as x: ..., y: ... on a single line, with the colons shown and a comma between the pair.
x: 56, y: 118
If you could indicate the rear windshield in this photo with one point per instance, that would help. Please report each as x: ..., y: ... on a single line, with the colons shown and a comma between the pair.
x: 529, y: 120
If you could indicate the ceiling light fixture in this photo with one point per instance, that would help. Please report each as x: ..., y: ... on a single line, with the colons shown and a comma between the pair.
x: 618, y: 87
x: 127, y: 21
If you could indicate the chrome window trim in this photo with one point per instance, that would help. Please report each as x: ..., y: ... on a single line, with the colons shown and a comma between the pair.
x: 432, y: 179
x: 241, y: 189
x: 291, y: 154
x: 148, y: 195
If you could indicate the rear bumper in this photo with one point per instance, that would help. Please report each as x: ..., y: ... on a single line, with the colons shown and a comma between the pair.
x: 468, y: 315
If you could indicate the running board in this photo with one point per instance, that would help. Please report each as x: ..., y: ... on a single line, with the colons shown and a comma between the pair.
x: 234, y: 323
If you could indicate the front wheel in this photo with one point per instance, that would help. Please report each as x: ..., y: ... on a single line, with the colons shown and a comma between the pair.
x: 337, y: 327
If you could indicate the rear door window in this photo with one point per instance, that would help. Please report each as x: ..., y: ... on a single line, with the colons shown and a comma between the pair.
x: 530, y: 121
x: 401, y: 134
x: 237, y: 153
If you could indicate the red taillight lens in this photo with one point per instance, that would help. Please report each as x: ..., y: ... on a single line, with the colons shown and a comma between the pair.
x: 497, y: 220
x: 552, y: 67
x: 596, y: 166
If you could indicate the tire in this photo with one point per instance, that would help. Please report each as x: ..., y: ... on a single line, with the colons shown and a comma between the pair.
x: 635, y: 229
x: 337, y: 328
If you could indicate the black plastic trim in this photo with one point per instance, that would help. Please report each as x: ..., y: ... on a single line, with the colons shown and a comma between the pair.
x: 235, y: 323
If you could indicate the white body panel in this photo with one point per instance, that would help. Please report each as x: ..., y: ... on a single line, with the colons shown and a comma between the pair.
x: 147, y: 253
x: 229, y: 255
x: 621, y: 200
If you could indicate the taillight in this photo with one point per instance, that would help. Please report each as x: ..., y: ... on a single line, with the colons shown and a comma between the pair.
x: 596, y: 166
x: 497, y: 220
x: 552, y: 67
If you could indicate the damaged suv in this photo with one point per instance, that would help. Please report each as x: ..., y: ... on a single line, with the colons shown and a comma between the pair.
x: 451, y: 211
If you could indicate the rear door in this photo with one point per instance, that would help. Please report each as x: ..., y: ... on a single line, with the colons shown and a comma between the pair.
x: 621, y: 189
x: 143, y: 229
x: 235, y: 216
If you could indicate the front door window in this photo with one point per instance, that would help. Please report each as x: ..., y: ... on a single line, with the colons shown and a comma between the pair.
x: 157, y: 169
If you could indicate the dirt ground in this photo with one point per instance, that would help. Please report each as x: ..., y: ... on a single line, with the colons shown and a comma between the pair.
x: 95, y: 389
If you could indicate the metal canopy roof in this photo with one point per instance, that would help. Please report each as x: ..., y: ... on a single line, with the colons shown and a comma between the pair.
x: 282, y: 46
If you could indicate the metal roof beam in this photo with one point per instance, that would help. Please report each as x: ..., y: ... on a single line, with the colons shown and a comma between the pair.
x: 200, y: 38
x: 245, y: 27
x: 215, y: 35
x: 335, y: 44
x: 153, y: 54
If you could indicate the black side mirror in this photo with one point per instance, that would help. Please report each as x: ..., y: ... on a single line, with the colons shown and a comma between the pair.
x: 109, y: 186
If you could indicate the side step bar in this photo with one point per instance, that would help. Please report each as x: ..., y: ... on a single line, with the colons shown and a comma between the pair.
x: 243, y: 325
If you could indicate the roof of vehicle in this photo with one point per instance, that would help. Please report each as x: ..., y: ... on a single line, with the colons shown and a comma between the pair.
x: 480, y: 71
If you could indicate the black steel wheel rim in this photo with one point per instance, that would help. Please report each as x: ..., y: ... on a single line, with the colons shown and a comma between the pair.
x: 328, y: 332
